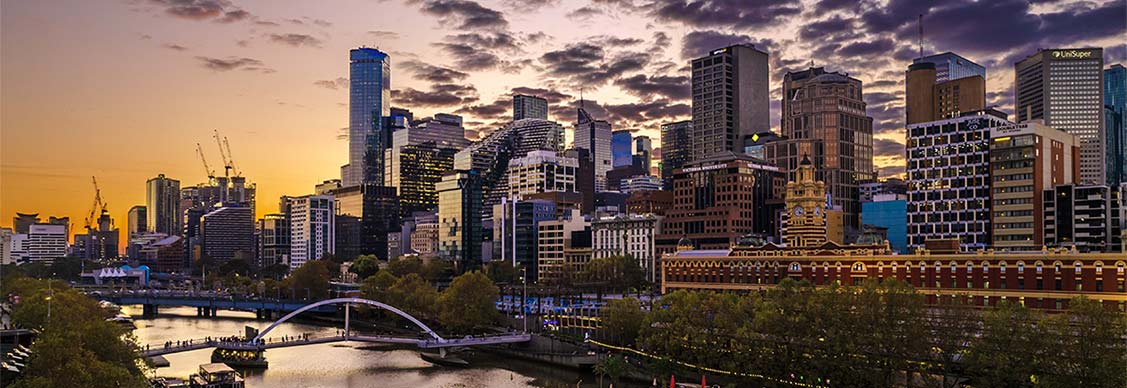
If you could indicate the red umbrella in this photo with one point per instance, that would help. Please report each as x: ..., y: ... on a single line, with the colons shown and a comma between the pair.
x: 672, y: 381
x: 703, y: 383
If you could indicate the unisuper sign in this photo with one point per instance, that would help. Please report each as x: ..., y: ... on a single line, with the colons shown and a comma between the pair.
x: 1074, y: 54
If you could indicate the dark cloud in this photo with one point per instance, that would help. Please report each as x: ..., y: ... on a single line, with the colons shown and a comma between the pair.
x: 491, y: 40
x: 725, y: 13
x: 881, y: 98
x: 613, y: 41
x: 882, y: 84
x: 494, y: 110
x: 334, y: 84
x: 584, y: 13
x: 866, y: 48
x: 528, y: 6
x: 553, y: 97
x: 234, y: 16
x: 650, y: 87
x: 885, y: 147
x: 176, y: 47
x: 295, y: 40
x: 699, y: 43
x: 536, y: 37
x: 836, y: 27
x: 233, y: 63
x: 632, y: 115
x: 383, y: 34
x: 342, y: 133
x: 466, y: 15
x: 896, y: 171
x: 440, y: 95
x: 431, y: 73
x: 587, y: 64
x: 469, y: 58
x: 194, y: 9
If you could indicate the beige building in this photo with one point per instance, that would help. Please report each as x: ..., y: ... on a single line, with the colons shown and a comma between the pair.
x: 1026, y: 159
x: 553, y: 239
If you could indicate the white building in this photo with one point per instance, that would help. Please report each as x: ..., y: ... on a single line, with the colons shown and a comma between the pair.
x: 312, y: 228
x: 639, y: 183
x: 6, y: 246
x: 553, y: 238
x: 541, y: 172
x: 631, y: 235
x: 46, y: 242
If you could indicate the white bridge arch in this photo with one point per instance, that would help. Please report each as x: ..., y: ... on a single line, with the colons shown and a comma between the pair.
x: 349, y: 301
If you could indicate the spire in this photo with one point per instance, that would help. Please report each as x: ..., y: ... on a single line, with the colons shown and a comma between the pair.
x: 805, y: 160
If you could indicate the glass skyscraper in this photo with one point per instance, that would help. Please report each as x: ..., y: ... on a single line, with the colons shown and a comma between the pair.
x: 950, y: 66
x: 1115, y: 115
x: 369, y: 101
x: 620, y: 144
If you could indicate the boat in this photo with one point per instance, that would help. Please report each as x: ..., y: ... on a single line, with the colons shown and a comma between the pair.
x: 216, y: 375
x: 123, y: 320
x: 447, y: 360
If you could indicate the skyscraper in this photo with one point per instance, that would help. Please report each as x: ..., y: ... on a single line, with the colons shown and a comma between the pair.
x: 312, y: 228
x: 418, y: 157
x: 943, y: 86
x: 620, y: 148
x: 1064, y: 88
x: 730, y: 99
x: 369, y: 101
x: 136, y: 223
x: 162, y: 206
x: 675, y: 149
x: 540, y: 172
x: 595, y: 136
x: 490, y: 156
x: 643, y: 151
x: 227, y: 233
x: 1025, y: 160
x: 365, y: 214
x: 460, y: 233
x: 1115, y: 123
x: 837, y: 136
x: 529, y: 107
x: 273, y: 240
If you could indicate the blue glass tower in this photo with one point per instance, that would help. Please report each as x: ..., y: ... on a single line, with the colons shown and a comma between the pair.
x: 1115, y: 112
x: 368, y: 102
x: 891, y: 214
x: 620, y: 148
x: 950, y: 66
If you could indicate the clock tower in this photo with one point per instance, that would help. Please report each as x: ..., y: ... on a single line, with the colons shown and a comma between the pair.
x: 806, y: 208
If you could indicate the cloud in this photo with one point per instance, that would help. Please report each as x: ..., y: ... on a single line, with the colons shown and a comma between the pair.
x: 584, y: 13
x: 468, y: 57
x: 650, y: 87
x: 295, y: 40
x: 588, y: 65
x: 383, y: 34
x: 835, y: 26
x: 194, y: 9
x: 492, y: 40
x: 866, y: 48
x: 342, y: 133
x: 334, y: 84
x: 175, y: 47
x: 725, y: 13
x: 234, y: 16
x: 435, y: 74
x: 699, y: 43
x: 439, y: 95
x: 233, y: 63
x: 529, y: 6
x: 885, y: 147
x: 466, y: 15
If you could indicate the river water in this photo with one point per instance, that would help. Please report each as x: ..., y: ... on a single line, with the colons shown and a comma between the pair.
x: 347, y: 364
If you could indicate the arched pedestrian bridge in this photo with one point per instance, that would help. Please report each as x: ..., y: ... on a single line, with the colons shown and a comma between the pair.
x: 430, y: 339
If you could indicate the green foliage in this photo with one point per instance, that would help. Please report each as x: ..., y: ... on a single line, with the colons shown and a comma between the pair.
x: 313, y: 276
x: 233, y: 267
x: 376, y: 287
x: 436, y: 270
x: 469, y: 302
x: 413, y: 295
x: 76, y: 347
x: 365, y: 266
x: 503, y: 272
x: 405, y: 265
x: 612, y: 367
x: 622, y: 319
x: 622, y: 272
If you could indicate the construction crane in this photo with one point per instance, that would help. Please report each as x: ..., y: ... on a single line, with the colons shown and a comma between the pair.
x: 98, y: 208
x: 207, y: 169
x: 227, y: 167
x: 230, y: 157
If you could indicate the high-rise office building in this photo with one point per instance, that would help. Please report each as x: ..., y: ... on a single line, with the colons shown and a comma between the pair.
x: 628, y: 235
x: 273, y: 240
x: 643, y: 152
x: 719, y: 201
x: 162, y: 206
x: 639, y: 183
x: 731, y: 100
x: 136, y: 223
x: 584, y: 177
x: 369, y: 102
x: 943, y: 86
x: 312, y: 228
x: 460, y: 233
x: 554, y: 238
x: 1064, y: 89
x: 227, y: 233
x: 675, y: 149
x: 595, y: 136
x: 490, y: 156
x: 418, y: 157
x: 620, y: 148
x: 100, y: 240
x: 46, y: 242
x: 1087, y: 218
x: 949, y: 179
x: 22, y: 222
x: 824, y: 118
x: 541, y: 172
x: 365, y: 214
x: 1115, y: 123
x: 514, y: 231
x: 1025, y: 160
x: 529, y: 107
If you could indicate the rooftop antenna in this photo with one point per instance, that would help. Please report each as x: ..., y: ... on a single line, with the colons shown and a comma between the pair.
x: 580, y: 98
x: 920, y: 24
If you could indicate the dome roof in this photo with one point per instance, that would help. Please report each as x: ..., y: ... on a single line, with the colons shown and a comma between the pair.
x: 685, y: 242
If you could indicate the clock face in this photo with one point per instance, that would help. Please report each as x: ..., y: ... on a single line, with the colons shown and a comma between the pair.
x: 798, y: 211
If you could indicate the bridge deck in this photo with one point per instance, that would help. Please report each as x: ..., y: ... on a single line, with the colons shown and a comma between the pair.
x: 273, y: 343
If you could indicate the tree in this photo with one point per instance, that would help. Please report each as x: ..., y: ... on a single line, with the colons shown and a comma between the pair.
x: 1088, y: 346
x: 234, y: 266
x: 436, y: 270
x: 469, y: 302
x: 1007, y: 352
x: 413, y: 295
x: 376, y: 287
x: 622, y: 319
x: 613, y: 367
x: 405, y: 265
x: 501, y: 271
x: 365, y: 266
x: 310, y: 280
x: 622, y: 272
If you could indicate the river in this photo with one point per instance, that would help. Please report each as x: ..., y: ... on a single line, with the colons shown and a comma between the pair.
x: 348, y: 364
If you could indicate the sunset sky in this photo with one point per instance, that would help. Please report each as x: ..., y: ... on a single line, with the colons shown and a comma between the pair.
x: 123, y: 90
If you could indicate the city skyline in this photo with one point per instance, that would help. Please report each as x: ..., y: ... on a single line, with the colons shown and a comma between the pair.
x: 228, y: 66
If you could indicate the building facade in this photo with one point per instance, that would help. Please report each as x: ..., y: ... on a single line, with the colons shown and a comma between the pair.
x: 639, y: 183
x: 312, y: 228
x: 643, y: 152
x: 273, y: 240
x: 676, y: 149
x: 943, y: 86
x: 460, y: 232
x: 1026, y: 159
x: 1085, y: 218
x: 490, y: 156
x: 515, y: 231
x: 628, y: 235
x: 554, y: 238
x: 950, y: 66
x: 46, y: 242
x: 1064, y: 89
x: 731, y: 99
x: 889, y: 211
x: 655, y: 202
x: 369, y: 89
x: 162, y: 206
x: 595, y: 136
x: 824, y: 117
x: 529, y: 107
x: 227, y: 233
x: 1115, y: 123
x: 424, y: 239
x: 365, y: 214
x: 135, y: 224
x: 621, y: 148
x: 949, y: 179
x: 541, y: 171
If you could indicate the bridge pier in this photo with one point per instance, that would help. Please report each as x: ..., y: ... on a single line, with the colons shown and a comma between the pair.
x: 149, y: 311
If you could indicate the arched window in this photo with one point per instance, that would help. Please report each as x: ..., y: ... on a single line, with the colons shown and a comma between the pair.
x: 1077, y: 267
x: 795, y: 267
x: 1002, y: 267
x: 1119, y: 267
x: 1039, y: 267
x: 1099, y: 267
x: 1056, y: 266
x: 858, y: 267
x: 1020, y: 266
